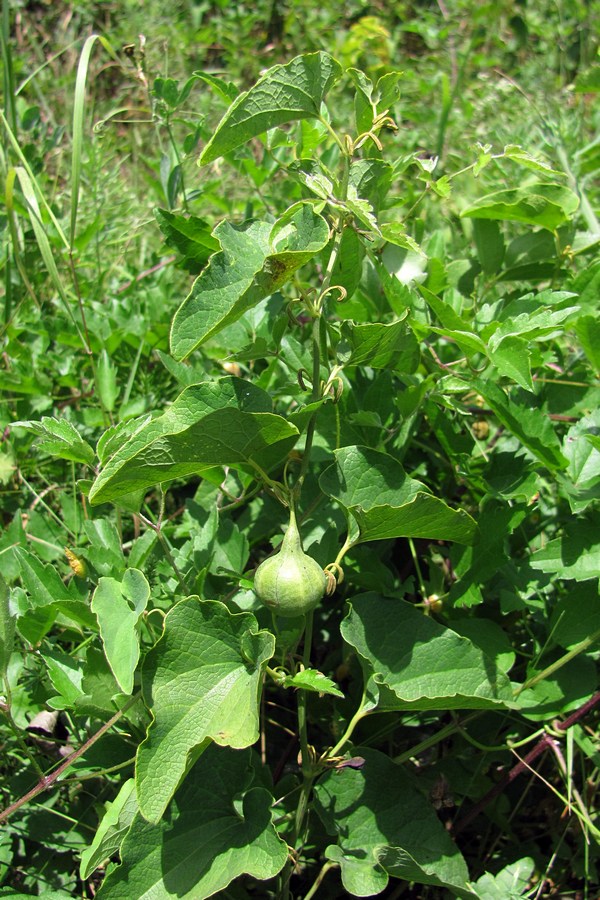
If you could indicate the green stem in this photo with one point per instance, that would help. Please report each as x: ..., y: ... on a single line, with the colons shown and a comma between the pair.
x: 274, y: 486
x: 302, y: 698
x: 431, y: 741
x: 555, y: 666
x: 179, y: 163
x: 9, y: 81
x: 316, y: 392
x: 585, y: 208
x: 494, y: 748
x: 308, y: 771
x: 311, y: 893
x: 319, y: 328
x: 413, y: 551
x: 157, y: 529
x: 358, y: 715
x: 333, y: 134
x: 347, y: 545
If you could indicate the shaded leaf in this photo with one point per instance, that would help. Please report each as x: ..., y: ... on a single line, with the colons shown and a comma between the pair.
x: 576, y: 554
x: 512, y: 358
x: 113, y: 827
x: 347, y: 270
x: 106, y: 381
x: 311, y: 680
x: 66, y: 675
x: 417, y: 663
x: 588, y: 333
x: 547, y: 205
x: 582, y: 448
x: 392, y: 346
x: 523, y: 158
x: 58, y: 437
x: 533, y: 317
x: 477, y: 564
x: 576, y: 615
x: 490, y: 245
x: 105, y: 552
x: 119, y: 606
x: 215, y: 423
x: 528, y: 423
x: 190, y: 236
x: 385, y: 829
x: 218, y: 827
x: 508, y: 884
x: 565, y: 690
x: 7, y: 627
x: 46, y: 588
x: 385, y: 502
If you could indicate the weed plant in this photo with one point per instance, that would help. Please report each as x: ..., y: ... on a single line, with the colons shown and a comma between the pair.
x: 270, y: 260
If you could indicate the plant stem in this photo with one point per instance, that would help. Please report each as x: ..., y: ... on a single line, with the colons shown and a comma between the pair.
x: 413, y: 551
x: 167, y: 551
x: 316, y: 392
x: 308, y: 771
x: 319, y: 329
x: 586, y: 209
x: 358, y: 715
x: 440, y: 735
x: 555, y: 666
x: 302, y: 698
x: 525, y: 763
x: 311, y: 893
x: 48, y: 780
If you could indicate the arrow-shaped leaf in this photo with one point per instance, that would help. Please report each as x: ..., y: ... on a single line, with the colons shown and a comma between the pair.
x: 255, y: 259
x: 202, y: 682
x: 386, y: 503
x: 283, y: 94
x: 417, y: 663
x: 218, y: 827
x: 210, y: 424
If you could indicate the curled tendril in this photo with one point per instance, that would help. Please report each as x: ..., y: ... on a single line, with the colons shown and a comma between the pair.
x: 335, y: 576
x: 380, y: 121
x: 360, y: 140
x: 334, y: 385
x: 290, y: 314
x: 343, y: 293
x: 336, y: 388
x: 294, y: 459
x: 383, y: 119
x: 300, y: 375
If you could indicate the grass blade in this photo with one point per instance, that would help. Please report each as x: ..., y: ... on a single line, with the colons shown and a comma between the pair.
x: 78, y: 117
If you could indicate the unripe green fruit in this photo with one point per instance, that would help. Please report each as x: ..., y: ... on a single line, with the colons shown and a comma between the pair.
x: 290, y: 583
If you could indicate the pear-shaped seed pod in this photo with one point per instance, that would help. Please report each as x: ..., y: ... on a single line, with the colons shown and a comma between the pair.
x: 290, y: 583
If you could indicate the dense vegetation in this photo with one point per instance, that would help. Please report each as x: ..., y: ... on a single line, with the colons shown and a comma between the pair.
x: 281, y: 265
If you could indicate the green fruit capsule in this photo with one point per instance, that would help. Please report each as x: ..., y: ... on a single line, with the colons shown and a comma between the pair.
x: 290, y: 583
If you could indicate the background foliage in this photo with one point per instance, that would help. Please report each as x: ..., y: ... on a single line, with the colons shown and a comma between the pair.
x: 454, y: 471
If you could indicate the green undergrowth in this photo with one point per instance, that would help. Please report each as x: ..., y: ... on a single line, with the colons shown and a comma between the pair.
x: 265, y: 268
